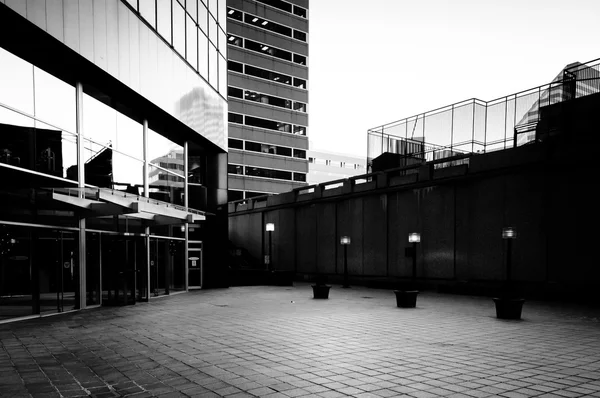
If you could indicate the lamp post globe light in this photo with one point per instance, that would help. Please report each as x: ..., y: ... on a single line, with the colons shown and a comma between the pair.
x: 508, y: 306
x: 345, y: 241
x: 270, y: 227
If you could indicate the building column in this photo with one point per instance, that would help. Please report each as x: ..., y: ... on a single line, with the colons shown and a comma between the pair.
x: 147, y: 195
x: 186, y: 204
x: 81, y: 300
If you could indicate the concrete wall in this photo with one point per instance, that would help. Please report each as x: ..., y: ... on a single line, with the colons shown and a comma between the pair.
x: 542, y: 190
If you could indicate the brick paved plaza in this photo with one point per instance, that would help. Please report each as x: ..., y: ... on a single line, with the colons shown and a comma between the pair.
x: 279, y: 342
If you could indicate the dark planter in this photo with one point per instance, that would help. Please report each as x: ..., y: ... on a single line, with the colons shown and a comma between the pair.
x: 282, y: 278
x: 406, y: 298
x: 321, y: 291
x: 508, y: 308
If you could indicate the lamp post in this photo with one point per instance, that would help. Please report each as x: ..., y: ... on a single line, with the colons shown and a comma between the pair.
x: 509, y: 305
x: 414, y: 238
x: 270, y: 227
x: 345, y: 241
x: 509, y: 234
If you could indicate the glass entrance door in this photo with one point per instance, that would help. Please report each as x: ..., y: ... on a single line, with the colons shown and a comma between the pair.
x: 58, y: 272
x: 120, y: 270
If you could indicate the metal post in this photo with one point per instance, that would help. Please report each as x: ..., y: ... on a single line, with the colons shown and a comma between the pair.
x: 346, y: 266
x: 270, y: 252
x: 414, y: 273
x: 186, y: 204
x: 80, y: 301
x: 147, y: 195
x: 508, y: 260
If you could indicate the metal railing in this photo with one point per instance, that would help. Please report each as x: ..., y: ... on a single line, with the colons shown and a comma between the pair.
x: 476, y: 126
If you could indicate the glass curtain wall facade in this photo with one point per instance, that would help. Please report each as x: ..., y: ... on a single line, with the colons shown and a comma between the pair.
x: 268, y: 96
x: 112, y: 152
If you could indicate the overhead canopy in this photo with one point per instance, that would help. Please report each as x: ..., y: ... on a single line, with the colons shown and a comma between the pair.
x: 103, y: 202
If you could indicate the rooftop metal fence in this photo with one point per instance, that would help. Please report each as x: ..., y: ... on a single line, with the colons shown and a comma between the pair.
x: 476, y: 126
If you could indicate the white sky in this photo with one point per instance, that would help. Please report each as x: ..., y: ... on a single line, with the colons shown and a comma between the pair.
x: 377, y: 61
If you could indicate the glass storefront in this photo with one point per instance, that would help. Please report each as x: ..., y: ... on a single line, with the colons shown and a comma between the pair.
x: 67, y: 243
x: 39, y: 270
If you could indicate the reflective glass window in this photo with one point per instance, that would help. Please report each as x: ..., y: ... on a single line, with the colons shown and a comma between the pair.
x: 235, y: 41
x: 235, y: 118
x: 213, y: 7
x: 179, y: 28
x: 165, y: 185
x: 54, y: 101
x: 222, y: 17
x: 235, y: 92
x: 212, y: 65
x: 212, y: 29
x: 164, y: 19
x: 299, y: 35
x: 203, y: 55
x: 166, y: 173
x: 192, y: 43
x: 299, y: 106
x: 235, y: 66
x: 300, y: 130
x: 268, y: 124
x: 300, y: 177
x: 148, y: 11
x: 282, y: 5
x: 203, y: 18
x: 235, y: 14
x: 268, y: 148
x: 222, y: 42
x: 300, y: 83
x: 133, y: 3
x: 222, y: 76
x: 191, y: 7
x: 236, y: 144
x: 16, y: 82
x: 268, y: 173
x: 300, y: 59
x: 301, y: 12
x: 268, y: 50
x: 300, y: 153
x: 235, y: 169
x: 266, y: 74
x: 268, y: 25
x: 267, y: 99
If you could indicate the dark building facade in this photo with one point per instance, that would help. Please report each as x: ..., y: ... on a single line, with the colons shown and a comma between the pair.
x: 268, y: 96
x: 94, y: 96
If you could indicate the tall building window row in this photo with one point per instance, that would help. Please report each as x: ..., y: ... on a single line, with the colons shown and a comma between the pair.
x: 266, y: 124
x: 266, y: 74
x: 274, y: 27
x: 267, y: 148
x: 274, y: 174
x: 266, y: 49
x: 285, y: 6
x: 193, y: 30
x: 262, y: 23
x: 266, y: 99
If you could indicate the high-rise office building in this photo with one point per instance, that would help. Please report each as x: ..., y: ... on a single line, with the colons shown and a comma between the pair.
x: 268, y: 96
x: 113, y: 151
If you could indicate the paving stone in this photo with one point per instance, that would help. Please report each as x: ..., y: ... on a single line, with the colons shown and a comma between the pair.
x: 260, y: 344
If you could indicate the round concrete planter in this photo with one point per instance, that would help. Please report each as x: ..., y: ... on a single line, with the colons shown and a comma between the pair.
x: 321, y: 291
x: 406, y: 298
x: 508, y: 308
